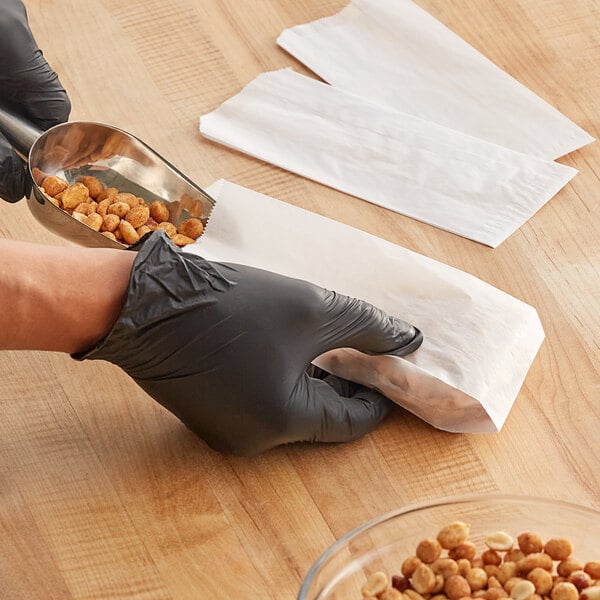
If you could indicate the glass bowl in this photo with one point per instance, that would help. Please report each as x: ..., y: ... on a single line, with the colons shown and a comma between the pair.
x: 383, y: 543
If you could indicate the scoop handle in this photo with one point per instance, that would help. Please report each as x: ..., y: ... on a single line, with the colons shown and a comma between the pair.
x: 20, y: 133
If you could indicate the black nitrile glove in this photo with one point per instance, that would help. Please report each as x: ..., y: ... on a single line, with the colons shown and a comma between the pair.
x: 226, y: 348
x: 28, y: 87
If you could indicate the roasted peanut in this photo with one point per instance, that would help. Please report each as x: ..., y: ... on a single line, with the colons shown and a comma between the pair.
x: 522, y: 590
x: 138, y: 216
x: 74, y: 195
x: 541, y: 579
x: 477, y: 579
x: 409, y: 565
x: 193, y: 228
x: 559, y: 548
x: 564, y: 591
x: 592, y: 568
x: 110, y: 223
x: 376, y: 584
x: 94, y: 186
x: 159, y: 211
x: 567, y: 566
x: 94, y: 220
x: 591, y: 593
x: 454, y: 534
x: 423, y: 579
x: 429, y: 549
x: 130, y: 235
x: 401, y: 583
x: 456, y: 587
x: 181, y: 240
x: 466, y: 550
x: 54, y: 185
x: 580, y: 579
x: 530, y: 543
x: 499, y: 541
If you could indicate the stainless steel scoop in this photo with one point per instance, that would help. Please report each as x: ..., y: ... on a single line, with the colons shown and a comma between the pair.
x: 115, y: 157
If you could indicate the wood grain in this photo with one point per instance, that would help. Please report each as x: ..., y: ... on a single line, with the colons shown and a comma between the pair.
x: 103, y: 494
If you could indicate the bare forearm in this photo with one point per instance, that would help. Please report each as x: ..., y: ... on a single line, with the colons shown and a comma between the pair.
x: 62, y: 299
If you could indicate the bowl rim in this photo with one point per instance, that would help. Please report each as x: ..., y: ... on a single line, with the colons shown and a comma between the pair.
x: 432, y: 503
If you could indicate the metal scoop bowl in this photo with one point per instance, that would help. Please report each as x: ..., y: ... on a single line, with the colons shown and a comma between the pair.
x: 116, y: 158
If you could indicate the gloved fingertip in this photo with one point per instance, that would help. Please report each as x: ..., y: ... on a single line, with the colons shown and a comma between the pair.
x: 410, y: 345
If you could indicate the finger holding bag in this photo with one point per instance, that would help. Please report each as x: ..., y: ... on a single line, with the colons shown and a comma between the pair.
x: 227, y: 348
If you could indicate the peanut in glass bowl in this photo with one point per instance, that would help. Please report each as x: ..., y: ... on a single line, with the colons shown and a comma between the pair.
x: 383, y: 543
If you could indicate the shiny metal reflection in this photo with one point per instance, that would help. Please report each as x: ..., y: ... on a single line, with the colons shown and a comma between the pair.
x: 117, y: 158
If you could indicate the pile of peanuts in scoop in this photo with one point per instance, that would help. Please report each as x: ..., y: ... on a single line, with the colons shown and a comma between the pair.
x: 120, y: 216
x: 449, y: 567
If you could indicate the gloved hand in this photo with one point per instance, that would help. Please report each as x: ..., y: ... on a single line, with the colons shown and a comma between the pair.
x: 227, y: 349
x: 28, y: 87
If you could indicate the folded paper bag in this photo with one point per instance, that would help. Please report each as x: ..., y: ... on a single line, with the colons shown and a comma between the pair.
x: 454, y: 181
x: 395, y: 53
x: 479, y: 341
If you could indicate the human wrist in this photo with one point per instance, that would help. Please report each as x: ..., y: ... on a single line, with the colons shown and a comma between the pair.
x: 61, y: 299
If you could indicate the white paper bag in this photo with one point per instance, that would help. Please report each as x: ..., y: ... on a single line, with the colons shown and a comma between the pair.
x: 454, y: 181
x: 395, y: 53
x: 479, y: 342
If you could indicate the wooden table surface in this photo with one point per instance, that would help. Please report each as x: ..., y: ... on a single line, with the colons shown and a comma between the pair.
x: 103, y: 494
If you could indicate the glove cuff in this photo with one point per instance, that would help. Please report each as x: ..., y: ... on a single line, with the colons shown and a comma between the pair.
x: 164, y: 281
